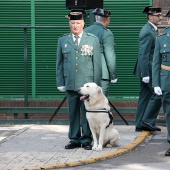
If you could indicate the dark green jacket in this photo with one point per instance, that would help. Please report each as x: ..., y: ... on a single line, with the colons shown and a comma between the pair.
x: 147, y: 39
x: 166, y: 29
x: 107, y: 49
x: 75, y: 68
x: 161, y: 77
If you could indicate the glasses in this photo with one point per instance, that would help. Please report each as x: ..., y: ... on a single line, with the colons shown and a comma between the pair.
x: 159, y: 15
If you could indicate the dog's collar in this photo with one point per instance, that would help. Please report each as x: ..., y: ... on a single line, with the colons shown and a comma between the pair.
x: 100, y: 110
x: 103, y: 111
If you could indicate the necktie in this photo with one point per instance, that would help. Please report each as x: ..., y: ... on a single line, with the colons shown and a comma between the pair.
x: 76, y: 40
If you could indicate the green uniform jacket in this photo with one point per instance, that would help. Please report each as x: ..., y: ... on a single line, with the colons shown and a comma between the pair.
x: 147, y: 39
x: 107, y: 49
x: 161, y: 78
x: 76, y: 67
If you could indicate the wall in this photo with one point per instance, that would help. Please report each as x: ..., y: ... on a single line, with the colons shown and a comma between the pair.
x: 165, y: 5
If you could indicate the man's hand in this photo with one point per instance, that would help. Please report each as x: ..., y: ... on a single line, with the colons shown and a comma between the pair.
x: 158, y: 91
x: 62, y: 88
x: 114, y: 81
x: 146, y: 79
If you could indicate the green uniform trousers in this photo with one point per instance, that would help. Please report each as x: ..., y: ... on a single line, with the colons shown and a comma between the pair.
x: 105, y: 87
x: 79, y: 131
x: 149, y: 104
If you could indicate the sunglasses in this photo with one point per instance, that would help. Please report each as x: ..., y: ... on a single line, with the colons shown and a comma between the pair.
x: 159, y: 15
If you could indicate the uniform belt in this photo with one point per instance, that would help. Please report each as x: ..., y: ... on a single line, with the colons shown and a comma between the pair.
x: 105, y: 79
x: 165, y: 67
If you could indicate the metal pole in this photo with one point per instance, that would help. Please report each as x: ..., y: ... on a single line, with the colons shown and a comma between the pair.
x: 56, y: 111
x: 25, y: 70
x: 118, y: 112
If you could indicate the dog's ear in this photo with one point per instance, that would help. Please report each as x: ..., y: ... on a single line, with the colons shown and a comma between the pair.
x: 99, y: 89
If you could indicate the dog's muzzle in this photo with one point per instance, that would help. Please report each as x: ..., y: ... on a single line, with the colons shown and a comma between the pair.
x: 82, y: 97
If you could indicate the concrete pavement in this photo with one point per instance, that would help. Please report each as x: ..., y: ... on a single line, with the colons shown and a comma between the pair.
x: 35, y: 147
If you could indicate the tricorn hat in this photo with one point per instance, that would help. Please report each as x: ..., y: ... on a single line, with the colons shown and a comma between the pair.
x: 167, y: 14
x: 151, y: 10
x: 77, y: 14
x: 101, y: 12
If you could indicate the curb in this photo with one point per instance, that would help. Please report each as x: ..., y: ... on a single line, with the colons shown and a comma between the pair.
x: 142, y: 136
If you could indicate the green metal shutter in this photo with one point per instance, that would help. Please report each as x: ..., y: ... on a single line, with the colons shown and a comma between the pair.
x: 42, y: 44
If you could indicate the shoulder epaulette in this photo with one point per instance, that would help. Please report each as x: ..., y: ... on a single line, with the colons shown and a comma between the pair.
x: 91, y: 34
x: 64, y: 35
x: 166, y: 27
x: 162, y: 34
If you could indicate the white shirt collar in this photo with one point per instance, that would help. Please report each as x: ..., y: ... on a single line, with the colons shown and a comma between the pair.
x: 155, y: 27
x: 80, y: 35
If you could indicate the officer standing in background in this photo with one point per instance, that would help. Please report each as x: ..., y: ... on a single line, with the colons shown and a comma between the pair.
x: 78, y: 62
x: 161, y: 73
x: 149, y: 103
x: 99, y: 29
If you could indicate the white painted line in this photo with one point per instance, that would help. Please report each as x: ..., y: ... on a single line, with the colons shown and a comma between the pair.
x: 10, y: 128
x: 1, y: 138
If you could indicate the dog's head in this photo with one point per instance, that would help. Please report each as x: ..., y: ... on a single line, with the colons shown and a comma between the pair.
x: 89, y: 90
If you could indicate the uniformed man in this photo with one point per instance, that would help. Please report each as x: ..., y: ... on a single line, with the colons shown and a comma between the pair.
x: 149, y: 103
x: 161, y: 73
x: 78, y: 62
x: 106, y: 38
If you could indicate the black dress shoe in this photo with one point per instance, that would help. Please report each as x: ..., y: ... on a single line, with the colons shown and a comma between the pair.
x: 142, y: 129
x: 87, y: 146
x: 167, y: 153
x: 157, y: 129
x: 72, y: 145
x: 138, y: 129
x: 150, y: 127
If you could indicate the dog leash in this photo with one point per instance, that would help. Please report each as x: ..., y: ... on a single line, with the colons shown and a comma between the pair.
x: 105, y: 111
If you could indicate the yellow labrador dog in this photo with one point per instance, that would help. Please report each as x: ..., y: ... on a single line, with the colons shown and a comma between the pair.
x: 99, y: 117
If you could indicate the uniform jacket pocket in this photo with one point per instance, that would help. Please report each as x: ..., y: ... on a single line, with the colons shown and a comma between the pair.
x: 66, y: 53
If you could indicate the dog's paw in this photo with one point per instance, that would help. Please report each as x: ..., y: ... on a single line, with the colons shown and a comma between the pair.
x: 109, y: 145
x: 99, y: 148
x: 94, y: 148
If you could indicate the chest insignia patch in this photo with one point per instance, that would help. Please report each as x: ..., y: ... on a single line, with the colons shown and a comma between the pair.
x: 65, y: 45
